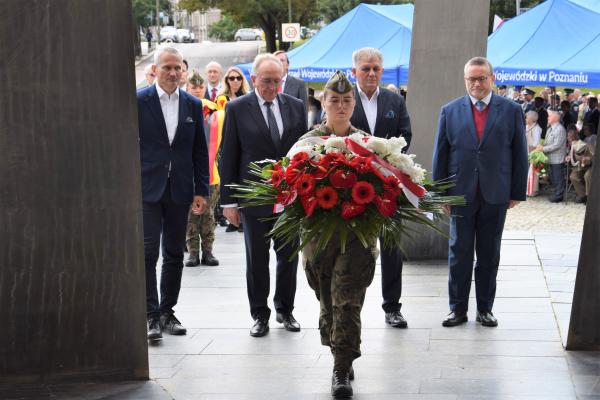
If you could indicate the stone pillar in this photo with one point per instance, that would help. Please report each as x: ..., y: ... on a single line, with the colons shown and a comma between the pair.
x: 584, y: 328
x: 446, y: 33
x: 71, y: 240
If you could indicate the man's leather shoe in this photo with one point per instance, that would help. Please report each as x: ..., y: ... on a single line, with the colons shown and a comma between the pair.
x: 555, y: 200
x: 260, y: 328
x: 231, y: 228
x: 396, y: 319
x: 209, y: 259
x: 340, y: 384
x: 240, y: 228
x: 288, y: 321
x: 487, y: 318
x: 154, y: 330
x: 171, y: 325
x: 351, y: 373
x: 455, y: 318
x: 581, y: 200
x: 193, y: 260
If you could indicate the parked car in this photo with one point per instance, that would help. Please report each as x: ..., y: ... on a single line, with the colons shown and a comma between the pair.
x: 248, y: 34
x: 185, y: 36
x: 168, y: 34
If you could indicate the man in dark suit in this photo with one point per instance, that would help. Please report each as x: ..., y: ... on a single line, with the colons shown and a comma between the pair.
x: 214, y: 73
x: 289, y: 85
x: 261, y: 125
x: 481, y: 144
x: 381, y: 113
x: 174, y: 166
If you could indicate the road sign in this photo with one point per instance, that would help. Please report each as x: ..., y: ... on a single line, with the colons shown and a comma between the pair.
x: 291, y: 32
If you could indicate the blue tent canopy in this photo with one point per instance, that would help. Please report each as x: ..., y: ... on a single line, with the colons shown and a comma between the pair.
x: 554, y: 44
x: 388, y: 28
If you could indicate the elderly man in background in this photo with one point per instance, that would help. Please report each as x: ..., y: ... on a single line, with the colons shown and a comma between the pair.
x: 149, y: 77
x: 290, y: 85
x: 555, y: 148
x: 213, y: 72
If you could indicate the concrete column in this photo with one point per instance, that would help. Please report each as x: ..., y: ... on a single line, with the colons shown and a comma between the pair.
x: 71, y: 243
x: 446, y: 33
x: 584, y: 328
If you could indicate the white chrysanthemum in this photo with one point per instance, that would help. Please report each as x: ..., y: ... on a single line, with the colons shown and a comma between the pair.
x: 335, y: 143
x: 378, y: 146
x: 402, y: 161
x: 358, y: 138
x: 307, y: 145
x: 417, y: 173
x: 396, y: 144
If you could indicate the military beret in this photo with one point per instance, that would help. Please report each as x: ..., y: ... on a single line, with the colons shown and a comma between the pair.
x: 195, y: 79
x: 518, y: 88
x: 339, y: 83
x: 568, y: 91
x: 502, y: 87
x: 528, y: 91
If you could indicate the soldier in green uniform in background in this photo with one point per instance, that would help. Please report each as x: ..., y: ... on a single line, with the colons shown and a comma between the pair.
x: 339, y: 280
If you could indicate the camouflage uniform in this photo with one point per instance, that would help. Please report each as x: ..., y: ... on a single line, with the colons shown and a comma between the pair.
x: 340, y: 282
x: 202, y: 226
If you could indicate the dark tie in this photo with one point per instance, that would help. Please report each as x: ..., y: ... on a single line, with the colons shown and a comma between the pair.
x: 273, y: 125
x: 480, y: 105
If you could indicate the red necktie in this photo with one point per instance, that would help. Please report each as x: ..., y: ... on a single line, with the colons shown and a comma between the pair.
x: 213, y: 94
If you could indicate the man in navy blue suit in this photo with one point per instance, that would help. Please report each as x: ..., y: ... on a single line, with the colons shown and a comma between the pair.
x: 481, y: 145
x: 174, y: 166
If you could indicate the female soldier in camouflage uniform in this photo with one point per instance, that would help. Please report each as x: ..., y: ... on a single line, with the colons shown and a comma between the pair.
x: 339, y: 280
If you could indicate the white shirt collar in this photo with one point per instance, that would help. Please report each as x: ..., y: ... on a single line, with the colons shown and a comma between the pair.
x: 162, y: 94
x: 361, y: 93
x: 261, y: 101
x: 486, y: 99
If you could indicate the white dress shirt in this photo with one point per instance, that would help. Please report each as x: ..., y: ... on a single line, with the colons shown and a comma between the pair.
x: 486, y: 99
x: 274, y: 108
x: 370, y: 107
x: 170, y: 109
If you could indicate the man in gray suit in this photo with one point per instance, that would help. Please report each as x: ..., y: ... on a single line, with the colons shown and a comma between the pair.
x: 556, y: 150
x: 290, y: 85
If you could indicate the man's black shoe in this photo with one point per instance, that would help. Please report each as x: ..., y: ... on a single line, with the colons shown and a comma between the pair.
x: 455, y: 318
x: 171, y: 325
x: 209, y: 259
x: 581, y: 200
x: 240, y: 228
x: 260, y: 328
x: 231, y: 228
x: 193, y: 260
x: 486, y: 318
x: 396, y: 319
x: 555, y: 200
x: 154, y: 331
x: 288, y: 321
x: 223, y: 221
x: 340, y: 384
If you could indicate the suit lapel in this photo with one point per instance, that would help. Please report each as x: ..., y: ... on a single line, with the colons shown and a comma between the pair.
x: 284, y: 107
x: 287, y: 88
x: 380, y: 110
x: 471, y: 121
x: 361, y: 117
x: 491, y: 119
x: 156, y: 111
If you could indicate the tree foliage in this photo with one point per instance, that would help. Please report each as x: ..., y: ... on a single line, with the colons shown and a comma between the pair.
x: 144, y: 11
x: 224, y: 29
x: 268, y: 14
x: 333, y: 9
x: 507, y: 9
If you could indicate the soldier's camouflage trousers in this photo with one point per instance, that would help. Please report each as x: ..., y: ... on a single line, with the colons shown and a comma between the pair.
x: 202, y: 226
x: 340, y: 282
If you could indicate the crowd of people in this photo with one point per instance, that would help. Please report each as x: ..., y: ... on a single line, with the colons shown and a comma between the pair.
x: 199, y: 133
x: 564, y: 126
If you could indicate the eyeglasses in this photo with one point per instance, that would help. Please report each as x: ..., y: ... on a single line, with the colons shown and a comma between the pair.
x: 473, y: 79
x: 269, y: 82
x: 234, y: 78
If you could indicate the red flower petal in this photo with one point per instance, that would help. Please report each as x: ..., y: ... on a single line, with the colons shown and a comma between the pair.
x: 305, y: 184
x: 351, y: 210
x: 386, y: 204
x: 292, y: 174
x: 327, y: 197
x: 342, y: 179
x: 300, y: 157
x: 309, y: 203
x: 277, y: 177
x: 363, y: 192
x: 286, y: 197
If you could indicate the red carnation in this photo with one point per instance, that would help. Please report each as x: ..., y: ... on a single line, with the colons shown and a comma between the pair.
x: 305, y: 184
x: 327, y: 197
x: 361, y: 164
x: 292, y: 174
x: 342, y: 179
x: 351, y: 210
x: 300, y: 157
x: 386, y: 204
x: 286, y: 197
x: 309, y: 203
x: 363, y: 192
x: 391, y: 184
x: 277, y: 177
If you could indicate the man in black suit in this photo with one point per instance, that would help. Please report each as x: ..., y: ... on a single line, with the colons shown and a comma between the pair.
x: 174, y: 166
x: 214, y: 73
x: 381, y: 113
x: 289, y: 85
x: 261, y: 125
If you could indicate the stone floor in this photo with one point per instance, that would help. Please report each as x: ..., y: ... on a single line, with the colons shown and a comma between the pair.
x: 522, y: 359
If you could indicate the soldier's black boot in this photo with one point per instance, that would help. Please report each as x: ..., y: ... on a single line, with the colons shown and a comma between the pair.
x: 193, y: 260
x: 340, y: 384
x: 209, y: 259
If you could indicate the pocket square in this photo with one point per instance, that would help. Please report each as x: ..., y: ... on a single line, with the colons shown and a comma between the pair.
x: 390, y: 114
x: 189, y: 120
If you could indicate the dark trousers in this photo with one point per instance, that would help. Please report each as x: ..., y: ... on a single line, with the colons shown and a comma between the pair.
x: 168, y: 219
x: 557, y: 177
x: 257, y: 269
x: 476, y: 227
x: 391, y: 277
